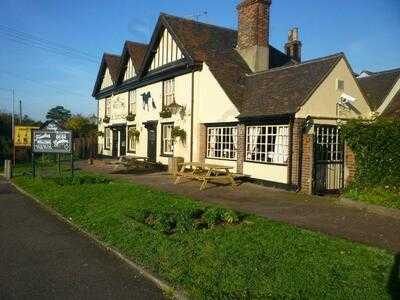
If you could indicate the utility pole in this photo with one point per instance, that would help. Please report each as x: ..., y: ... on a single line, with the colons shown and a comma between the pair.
x: 20, y: 112
x: 13, y: 128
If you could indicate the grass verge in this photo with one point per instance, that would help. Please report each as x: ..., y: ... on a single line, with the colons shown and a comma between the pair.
x: 255, y: 258
x: 375, y: 195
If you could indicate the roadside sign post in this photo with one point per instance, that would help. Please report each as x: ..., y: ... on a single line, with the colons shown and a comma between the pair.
x: 52, y: 139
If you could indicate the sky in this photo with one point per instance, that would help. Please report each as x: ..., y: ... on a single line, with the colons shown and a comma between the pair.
x: 61, y: 67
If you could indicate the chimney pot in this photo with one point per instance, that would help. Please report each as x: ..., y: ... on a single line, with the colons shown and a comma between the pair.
x: 293, y: 45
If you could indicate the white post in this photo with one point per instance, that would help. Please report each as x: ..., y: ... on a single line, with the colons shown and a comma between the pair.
x: 7, y: 169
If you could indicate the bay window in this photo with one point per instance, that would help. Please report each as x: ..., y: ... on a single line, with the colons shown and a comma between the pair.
x: 267, y: 144
x: 167, y: 141
x: 222, y: 142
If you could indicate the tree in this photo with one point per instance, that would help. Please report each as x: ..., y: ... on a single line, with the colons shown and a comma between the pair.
x: 59, y: 114
x: 81, y: 125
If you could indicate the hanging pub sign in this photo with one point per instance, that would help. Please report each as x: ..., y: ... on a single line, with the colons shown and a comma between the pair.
x: 51, y: 138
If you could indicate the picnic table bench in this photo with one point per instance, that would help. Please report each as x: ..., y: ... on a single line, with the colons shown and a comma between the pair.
x: 204, y: 172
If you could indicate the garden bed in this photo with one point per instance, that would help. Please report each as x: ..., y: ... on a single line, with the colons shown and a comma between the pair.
x: 215, y: 253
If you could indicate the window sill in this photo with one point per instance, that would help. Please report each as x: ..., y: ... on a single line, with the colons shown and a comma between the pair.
x: 167, y: 155
x: 266, y: 163
x: 225, y: 159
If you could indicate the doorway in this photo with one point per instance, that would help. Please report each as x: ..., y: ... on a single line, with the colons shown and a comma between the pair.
x: 328, y: 160
x: 151, y: 140
x: 119, y: 141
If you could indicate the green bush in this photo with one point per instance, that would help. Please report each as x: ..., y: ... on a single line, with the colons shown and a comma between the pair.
x: 376, y: 145
x: 80, y: 180
x: 165, y: 222
x: 213, y: 216
x: 230, y: 217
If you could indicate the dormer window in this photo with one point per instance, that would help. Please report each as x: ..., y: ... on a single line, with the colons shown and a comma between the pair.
x: 169, y: 91
x: 130, y: 70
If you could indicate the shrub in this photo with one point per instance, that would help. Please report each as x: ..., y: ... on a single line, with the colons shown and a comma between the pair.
x: 165, y: 222
x: 230, y: 217
x: 213, y: 216
x: 80, y: 180
x: 376, y: 145
x: 139, y: 215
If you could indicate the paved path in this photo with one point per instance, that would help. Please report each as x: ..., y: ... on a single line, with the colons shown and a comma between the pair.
x: 311, y: 212
x: 43, y: 258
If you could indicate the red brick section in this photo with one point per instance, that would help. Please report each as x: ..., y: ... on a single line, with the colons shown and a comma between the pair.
x: 296, y: 151
x: 253, y: 23
x: 202, y: 142
x: 241, y: 147
x: 307, y: 164
x: 350, y: 164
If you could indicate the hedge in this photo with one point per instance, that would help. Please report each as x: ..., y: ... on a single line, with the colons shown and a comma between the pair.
x: 376, y: 145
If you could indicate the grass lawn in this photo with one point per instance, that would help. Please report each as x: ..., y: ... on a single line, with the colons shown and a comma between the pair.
x: 376, y: 196
x: 256, y: 258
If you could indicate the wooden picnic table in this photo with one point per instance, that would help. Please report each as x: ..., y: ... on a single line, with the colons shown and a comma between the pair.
x: 205, y: 172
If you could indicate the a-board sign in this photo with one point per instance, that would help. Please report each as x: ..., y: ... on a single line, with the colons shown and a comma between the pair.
x: 51, y: 138
x: 23, y: 136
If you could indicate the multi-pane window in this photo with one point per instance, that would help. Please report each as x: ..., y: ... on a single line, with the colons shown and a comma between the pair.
x: 132, y: 101
x: 222, y: 142
x: 107, y: 111
x: 267, y: 144
x: 132, y: 139
x: 169, y: 91
x: 167, y: 141
x: 107, y: 138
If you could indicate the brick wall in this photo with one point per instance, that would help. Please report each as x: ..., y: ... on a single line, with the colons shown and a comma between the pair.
x: 350, y: 165
x: 253, y: 23
x: 296, y: 153
x: 202, y: 142
x: 241, y: 147
x: 307, y: 164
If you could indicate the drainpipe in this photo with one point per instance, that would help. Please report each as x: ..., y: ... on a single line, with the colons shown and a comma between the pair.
x: 192, y: 119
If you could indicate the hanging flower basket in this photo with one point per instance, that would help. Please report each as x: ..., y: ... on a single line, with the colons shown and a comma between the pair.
x: 135, y: 133
x: 177, y: 132
x: 165, y: 113
x: 131, y: 117
x: 174, y: 107
x: 106, y: 120
x: 100, y: 133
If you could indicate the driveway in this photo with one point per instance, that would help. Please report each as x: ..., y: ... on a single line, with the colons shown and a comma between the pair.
x: 43, y: 258
x: 320, y: 214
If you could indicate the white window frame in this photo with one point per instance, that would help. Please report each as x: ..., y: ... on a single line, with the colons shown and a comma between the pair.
x: 132, y: 98
x: 167, y: 140
x: 267, y: 144
x: 222, y: 142
x: 107, y: 138
x: 132, y: 140
x: 107, y: 107
x: 169, y: 91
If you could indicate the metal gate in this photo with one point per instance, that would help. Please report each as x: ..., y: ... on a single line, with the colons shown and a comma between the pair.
x: 328, y: 160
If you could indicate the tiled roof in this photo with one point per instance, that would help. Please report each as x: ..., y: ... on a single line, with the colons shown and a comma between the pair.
x: 112, y: 61
x: 393, y: 109
x: 283, y: 90
x: 378, y: 85
x: 215, y: 46
x: 137, y: 52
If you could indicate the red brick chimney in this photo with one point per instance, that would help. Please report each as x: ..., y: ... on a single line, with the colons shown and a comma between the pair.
x: 253, y: 33
x: 293, y: 45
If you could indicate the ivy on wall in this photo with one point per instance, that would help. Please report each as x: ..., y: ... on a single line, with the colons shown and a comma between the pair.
x: 376, y: 145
